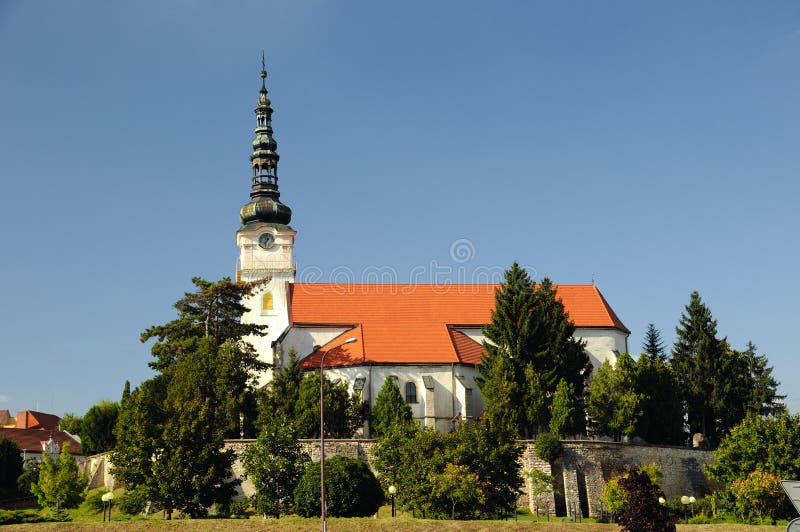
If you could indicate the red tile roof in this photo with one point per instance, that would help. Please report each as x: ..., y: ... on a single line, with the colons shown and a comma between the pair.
x: 30, y: 419
x: 31, y: 440
x: 414, y: 323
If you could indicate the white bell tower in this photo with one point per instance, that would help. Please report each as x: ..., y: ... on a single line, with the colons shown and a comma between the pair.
x: 265, y: 239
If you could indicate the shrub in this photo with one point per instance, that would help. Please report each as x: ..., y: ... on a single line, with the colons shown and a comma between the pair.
x: 93, y: 499
x: 351, y: 490
x: 14, y: 517
x: 133, y: 501
x: 642, y: 510
x: 548, y: 447
x: 239, y: 509
x: 759, y: 494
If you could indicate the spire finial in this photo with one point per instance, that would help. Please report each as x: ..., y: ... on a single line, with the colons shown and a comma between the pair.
x: 263, y: 70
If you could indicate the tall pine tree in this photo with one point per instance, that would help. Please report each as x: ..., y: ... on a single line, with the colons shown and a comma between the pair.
x: 653, y: 345
x: 530, y: 348
x: 697, y: 357
x: 721, y: 385
x: 662, y: 402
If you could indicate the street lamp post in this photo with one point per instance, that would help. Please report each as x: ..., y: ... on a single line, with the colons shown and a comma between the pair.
x: 323, y: 506
x: 685, y: 502
x: 109, y: 499
x: 392, y: 491
x: 692, y: 500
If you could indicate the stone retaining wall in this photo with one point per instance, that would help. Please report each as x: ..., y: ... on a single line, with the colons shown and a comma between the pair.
x: 580, y: 474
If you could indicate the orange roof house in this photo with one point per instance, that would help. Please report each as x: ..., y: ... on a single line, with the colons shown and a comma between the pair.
x: 30, y: 419
x: 419, y: 323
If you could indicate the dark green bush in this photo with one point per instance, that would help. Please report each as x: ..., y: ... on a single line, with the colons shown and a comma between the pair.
x: 548, y: 447
x: 93, y: 499
x: 14, y: 517
x: 351, y: 490
x: 240, y: 509
x: 132, y: 502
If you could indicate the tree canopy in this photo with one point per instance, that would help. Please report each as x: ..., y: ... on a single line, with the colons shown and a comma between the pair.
x: 275, y: 463
x: 97, y: 427
x: 720, y: 385
x: 419, y: 461
x: 343, y: 414
x: 614, y: 406
x: 10, y: 468
x: 60, y: 484
x: 171, y: 428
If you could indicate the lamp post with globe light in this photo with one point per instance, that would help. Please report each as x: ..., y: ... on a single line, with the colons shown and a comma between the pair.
x: 107, y: 499
x: 392, y: 491
x: 323, y: 506
x: 685, y: 502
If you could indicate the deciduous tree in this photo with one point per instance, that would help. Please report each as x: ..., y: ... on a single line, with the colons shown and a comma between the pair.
x: 613, y: 405
x: 97, y: 427
x: 275, y: 464
x: 59, y: 485
x: 343, y: 414
x: 279, y: 397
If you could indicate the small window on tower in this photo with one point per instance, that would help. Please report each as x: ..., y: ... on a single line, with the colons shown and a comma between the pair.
x: 266, y: 302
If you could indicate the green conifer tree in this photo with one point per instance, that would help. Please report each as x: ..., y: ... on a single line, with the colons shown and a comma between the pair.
x: 697, y: 357
x: 653, y: 345
x: 661, y: 421
x: 390, y: 409
x: 564, y: 411
x: 529, y: 328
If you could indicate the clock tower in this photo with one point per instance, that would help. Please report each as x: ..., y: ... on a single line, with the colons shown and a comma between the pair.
x: 265, y: 239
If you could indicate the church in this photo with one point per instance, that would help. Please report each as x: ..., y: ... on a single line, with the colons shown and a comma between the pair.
x: 426, y: 337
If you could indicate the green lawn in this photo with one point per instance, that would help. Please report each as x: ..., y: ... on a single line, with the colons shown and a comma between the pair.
x: 84, y: 519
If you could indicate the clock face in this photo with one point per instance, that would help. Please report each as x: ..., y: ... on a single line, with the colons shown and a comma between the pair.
x: 266, y: 240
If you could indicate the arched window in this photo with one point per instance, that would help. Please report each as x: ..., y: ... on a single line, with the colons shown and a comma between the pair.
x: 266, y: 301
x: 411, y: 392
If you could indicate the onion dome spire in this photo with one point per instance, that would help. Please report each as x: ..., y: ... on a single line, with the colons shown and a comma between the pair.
x: 264, y: 205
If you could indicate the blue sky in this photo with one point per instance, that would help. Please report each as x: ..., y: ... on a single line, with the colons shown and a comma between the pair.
x: 650, y: 147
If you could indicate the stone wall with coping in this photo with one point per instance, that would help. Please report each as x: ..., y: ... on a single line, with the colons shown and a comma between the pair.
x: 580, y: 474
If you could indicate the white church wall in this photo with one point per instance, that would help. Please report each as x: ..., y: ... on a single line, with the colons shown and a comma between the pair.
x: 449, y: 389
x: 305, y: 339
x: 603, y: 344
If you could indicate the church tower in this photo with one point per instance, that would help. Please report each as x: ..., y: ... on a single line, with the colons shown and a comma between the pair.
x: 265, y: 239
